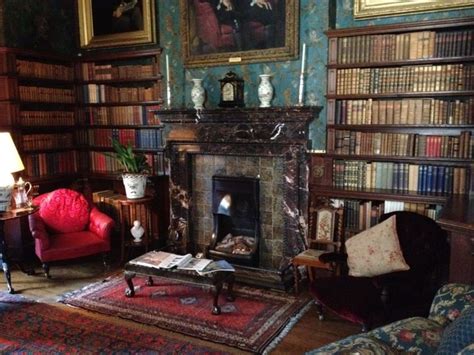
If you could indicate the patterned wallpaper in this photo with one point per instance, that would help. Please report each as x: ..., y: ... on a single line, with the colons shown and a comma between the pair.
x: 50, y: 25
x: 315, y: 18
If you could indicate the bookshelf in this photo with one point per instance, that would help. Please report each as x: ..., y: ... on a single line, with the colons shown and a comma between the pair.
x: 117, y: 94
x: 37, y: 105
x: 400, y: 119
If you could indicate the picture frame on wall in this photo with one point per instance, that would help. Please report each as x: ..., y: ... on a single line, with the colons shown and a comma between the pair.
x: 364, y: 9
x: 218, y: 32
x: 115, y: 23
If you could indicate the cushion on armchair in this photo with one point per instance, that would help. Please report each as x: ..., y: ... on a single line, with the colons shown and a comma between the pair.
x: 65, y: 211
x: 458, y: 334
x: 376, y: 251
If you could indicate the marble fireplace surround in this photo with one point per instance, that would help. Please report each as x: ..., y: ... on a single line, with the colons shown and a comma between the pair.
x: 266, y: 135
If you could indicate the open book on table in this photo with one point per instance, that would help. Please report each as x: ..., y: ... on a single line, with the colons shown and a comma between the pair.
x: 164, y: 260
x: 214, y: 266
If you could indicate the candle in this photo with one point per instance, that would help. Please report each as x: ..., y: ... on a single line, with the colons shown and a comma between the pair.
x: 168, y: 86
x: 303, y: 58
x: 301, y: 87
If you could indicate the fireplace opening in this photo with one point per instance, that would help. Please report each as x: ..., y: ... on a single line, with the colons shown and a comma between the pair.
x: 236, y: 217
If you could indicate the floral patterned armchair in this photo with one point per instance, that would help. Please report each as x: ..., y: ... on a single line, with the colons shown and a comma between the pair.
x: 449, y: 329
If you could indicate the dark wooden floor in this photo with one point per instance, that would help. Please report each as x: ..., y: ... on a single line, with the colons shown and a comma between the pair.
x: 307, y: 334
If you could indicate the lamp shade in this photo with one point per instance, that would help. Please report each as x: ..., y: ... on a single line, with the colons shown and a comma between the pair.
x: 10, y: 160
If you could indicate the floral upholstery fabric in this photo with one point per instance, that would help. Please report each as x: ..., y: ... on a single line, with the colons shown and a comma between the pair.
x: 453, y: 303
x: 355, y: 344
x: 450, y: 301
x: 376, y: 251
x: 418, y: 335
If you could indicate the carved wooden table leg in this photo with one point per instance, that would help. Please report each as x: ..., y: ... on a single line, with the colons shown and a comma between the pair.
x: 216, y: 310
x: 149, y: 281
x: 3, y: 251
x: 130, y: 292
x: 230, y: 288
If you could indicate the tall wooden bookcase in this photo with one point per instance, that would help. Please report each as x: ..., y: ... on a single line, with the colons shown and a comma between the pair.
x: 63, y: 112
x: 400, y: 119
x: 37, y: 105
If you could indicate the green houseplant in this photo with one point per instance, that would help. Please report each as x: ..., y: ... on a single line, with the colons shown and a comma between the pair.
x: 136, y: 169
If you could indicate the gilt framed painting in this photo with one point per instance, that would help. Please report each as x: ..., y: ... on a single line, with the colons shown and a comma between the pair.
x: 115, y: 23
x: 377, y: 8
x: 220, y: 32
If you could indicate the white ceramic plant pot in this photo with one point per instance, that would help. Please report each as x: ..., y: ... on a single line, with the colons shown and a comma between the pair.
x: 265, y: 90
x: 135, y: 185
x: 198, y: 94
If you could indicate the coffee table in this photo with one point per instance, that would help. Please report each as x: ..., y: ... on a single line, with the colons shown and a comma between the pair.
x: 214, y: 280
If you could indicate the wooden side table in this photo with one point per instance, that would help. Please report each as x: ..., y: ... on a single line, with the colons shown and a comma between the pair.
x: 5, y: 216
x: 131, y: 210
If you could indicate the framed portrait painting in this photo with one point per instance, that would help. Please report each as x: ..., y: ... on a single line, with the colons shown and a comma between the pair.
x: 376, y: 8
x: 219, y: 32
x: 112, y: 23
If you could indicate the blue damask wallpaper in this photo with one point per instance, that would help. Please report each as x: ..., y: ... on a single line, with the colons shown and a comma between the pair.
x: 315, y: 18
x: 51, y: 25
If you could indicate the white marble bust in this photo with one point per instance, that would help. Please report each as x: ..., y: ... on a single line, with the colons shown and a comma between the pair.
x: 137, y: 231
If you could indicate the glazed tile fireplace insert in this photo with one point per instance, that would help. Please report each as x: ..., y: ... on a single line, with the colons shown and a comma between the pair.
x: 269, y: 144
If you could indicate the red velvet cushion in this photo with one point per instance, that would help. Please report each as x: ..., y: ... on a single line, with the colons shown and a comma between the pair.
x: 65, y: 211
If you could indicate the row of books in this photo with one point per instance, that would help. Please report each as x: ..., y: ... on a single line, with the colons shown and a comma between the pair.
x: 45, y: 94
x: 404, y: 144
x: 93, y: 71
x: 413, y: 78
x: 47, y: 118
x: 28, y: 68
x: 104, y: 164
x: 47, y: 141
x: 137, y: 138
x: 120, y: 115
x: 405, y: 111
x: 359, y: 215
x: 405, y: 46
x: 401, y: 177
x: 93, y: 93
x: 45, y: 164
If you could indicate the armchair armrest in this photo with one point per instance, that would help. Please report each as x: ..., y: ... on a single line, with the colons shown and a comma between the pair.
x: 450, y: 301
x: 38, y: 230
x: 100, y: 223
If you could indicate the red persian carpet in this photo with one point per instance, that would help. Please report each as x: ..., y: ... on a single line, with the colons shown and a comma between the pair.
x: 38, y: 328
x: 250, y: 322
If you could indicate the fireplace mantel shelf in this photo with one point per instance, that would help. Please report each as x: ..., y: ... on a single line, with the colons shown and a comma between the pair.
x: 276, y: 125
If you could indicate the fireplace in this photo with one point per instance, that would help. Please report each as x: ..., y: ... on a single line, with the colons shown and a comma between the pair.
x: 267, y: 145
x: 236, y: 217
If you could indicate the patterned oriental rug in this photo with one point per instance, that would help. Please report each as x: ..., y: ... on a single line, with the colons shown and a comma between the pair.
x: 251, y: 322
x: 39, y: 328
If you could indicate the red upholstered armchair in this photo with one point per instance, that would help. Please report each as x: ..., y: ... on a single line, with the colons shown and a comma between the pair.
x: 66, y: 226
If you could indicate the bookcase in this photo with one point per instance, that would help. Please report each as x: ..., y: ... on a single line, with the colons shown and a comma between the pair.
x: 37, y: 105
x: 400, y: 119
x: 117, y: 94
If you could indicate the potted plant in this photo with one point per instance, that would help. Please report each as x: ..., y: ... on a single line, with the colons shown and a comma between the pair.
x: 136, y: 169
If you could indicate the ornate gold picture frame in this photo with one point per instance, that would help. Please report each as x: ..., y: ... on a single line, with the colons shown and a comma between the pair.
x: 377, y: 8
x: 244, y: 32
x: 111, y: 23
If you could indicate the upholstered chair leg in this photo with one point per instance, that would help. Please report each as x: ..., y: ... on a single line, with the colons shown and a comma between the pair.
x: 106, y: 261
x: 319, y: 310
x: 46, y: 270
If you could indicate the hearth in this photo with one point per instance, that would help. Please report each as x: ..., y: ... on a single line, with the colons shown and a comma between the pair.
x: 266, y: 144
x: 236, y: 217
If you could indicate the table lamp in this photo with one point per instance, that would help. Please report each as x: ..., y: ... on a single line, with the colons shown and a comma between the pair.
x: 10, y: 162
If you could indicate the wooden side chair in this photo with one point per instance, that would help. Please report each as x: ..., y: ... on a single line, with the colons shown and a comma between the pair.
x: 325, y: 237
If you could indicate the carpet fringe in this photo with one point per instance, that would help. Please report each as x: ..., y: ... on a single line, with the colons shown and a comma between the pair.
x: 286, y: 329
